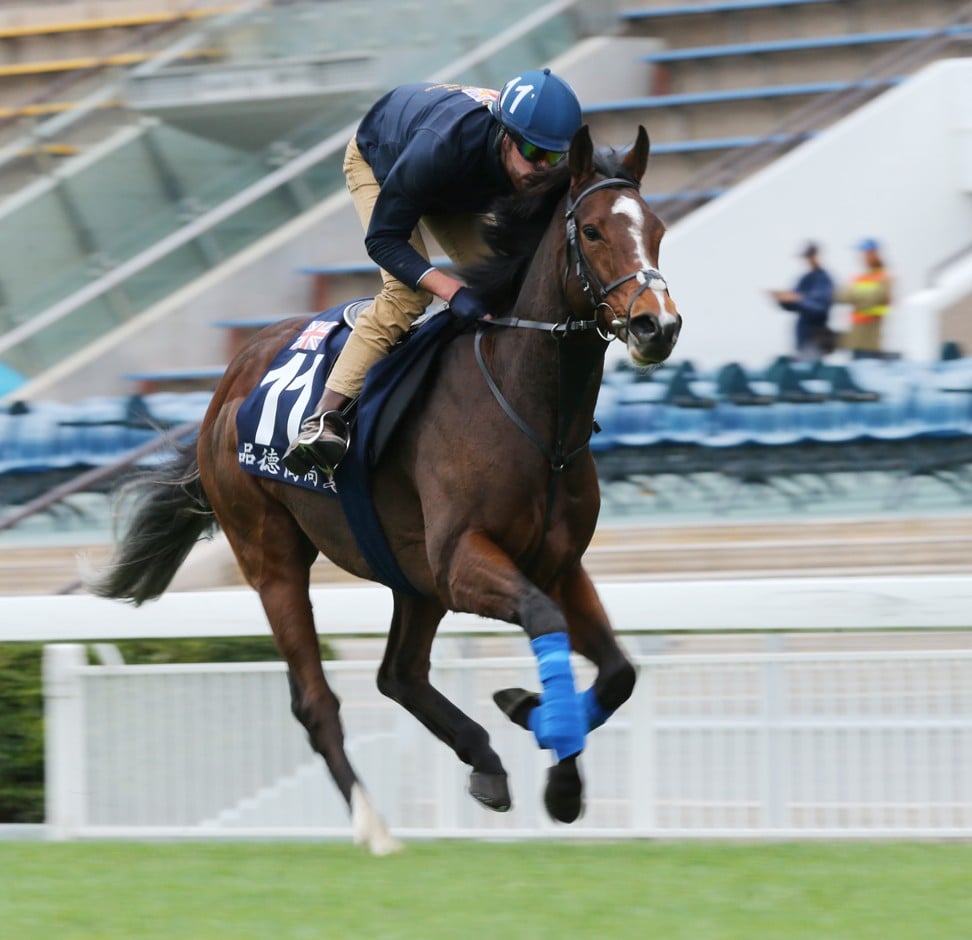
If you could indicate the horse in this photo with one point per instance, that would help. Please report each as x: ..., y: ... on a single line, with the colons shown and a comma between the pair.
x: 487, y: 490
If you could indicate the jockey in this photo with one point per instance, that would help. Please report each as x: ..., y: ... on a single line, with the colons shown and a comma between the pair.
x: 439, y: 154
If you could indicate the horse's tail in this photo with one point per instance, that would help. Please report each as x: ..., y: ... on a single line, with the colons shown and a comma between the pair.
x: 170, y: 513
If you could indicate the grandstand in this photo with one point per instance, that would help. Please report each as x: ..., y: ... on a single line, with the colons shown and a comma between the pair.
x: 171, y: 171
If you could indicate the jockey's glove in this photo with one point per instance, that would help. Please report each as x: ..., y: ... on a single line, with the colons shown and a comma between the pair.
x: 467, y: 305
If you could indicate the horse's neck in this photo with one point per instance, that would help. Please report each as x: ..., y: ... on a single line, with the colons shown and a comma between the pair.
x: 554, y: 375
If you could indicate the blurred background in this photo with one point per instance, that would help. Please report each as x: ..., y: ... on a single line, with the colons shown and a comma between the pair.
x: 170, y: 181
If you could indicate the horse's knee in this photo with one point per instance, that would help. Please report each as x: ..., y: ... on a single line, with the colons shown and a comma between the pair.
x: 538, y: 615
x: 615, y: 687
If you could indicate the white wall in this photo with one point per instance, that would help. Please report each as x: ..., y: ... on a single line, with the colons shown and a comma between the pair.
x: 899, y: 170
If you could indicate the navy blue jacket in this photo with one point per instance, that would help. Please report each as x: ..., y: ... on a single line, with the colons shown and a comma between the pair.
x: 816, y: 290
x: 433, y: 151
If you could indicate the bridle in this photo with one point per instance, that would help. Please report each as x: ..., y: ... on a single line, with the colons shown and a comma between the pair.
x: 648, y: 278
x: 596, y: 291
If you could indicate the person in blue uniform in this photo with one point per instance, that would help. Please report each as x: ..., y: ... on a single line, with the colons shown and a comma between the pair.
x: 439, y: 154
x: 810, y: 299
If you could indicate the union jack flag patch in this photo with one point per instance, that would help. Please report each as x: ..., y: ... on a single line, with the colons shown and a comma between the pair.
x: 313, y: 335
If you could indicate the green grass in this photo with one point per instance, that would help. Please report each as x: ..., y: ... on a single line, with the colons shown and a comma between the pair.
x: 670, y: 891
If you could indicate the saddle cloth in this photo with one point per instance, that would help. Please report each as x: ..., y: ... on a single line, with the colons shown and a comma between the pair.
x: 272, y: 413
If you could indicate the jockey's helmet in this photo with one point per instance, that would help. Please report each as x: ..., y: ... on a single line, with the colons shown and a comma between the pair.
x: 541, y: 108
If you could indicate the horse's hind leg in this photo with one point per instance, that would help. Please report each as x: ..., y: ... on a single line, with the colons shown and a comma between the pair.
x: 404, y: 677
x: 275, y: 557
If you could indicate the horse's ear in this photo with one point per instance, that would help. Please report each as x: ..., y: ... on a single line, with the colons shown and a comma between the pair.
x: 636, y: 159
x: 581, y: 154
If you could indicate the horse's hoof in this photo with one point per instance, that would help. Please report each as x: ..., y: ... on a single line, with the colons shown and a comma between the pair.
x: 516, y: 704
x: 563, y: 796
x: 492, y: 790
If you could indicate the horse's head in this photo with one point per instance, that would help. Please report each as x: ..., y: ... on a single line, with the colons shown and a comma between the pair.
x: 612, y: 249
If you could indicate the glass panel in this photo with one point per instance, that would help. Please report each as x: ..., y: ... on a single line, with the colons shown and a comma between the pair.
x: 163, y: 178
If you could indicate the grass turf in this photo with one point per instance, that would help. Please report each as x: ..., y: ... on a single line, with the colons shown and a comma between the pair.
x: 675, y: 891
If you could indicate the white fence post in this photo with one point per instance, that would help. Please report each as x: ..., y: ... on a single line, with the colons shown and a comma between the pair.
x: 64, y: 770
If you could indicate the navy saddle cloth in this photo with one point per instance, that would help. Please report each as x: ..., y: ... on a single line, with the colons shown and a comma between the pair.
x: 272, y: 414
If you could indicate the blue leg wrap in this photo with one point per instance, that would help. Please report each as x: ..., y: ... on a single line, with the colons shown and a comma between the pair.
x: 558, y: 721
x: 594, y: 712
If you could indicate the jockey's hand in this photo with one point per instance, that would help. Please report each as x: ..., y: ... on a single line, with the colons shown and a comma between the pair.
x: 467, y: 305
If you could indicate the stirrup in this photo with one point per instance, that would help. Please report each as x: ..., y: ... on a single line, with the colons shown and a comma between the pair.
x: 317, y: 447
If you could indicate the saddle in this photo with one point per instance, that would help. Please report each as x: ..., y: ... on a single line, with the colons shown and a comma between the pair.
x: 292, y: 385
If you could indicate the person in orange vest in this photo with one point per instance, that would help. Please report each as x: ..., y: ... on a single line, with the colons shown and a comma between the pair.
x: 870, y: 295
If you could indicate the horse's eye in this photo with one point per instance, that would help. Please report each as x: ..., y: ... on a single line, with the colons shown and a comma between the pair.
x: 591, y: 233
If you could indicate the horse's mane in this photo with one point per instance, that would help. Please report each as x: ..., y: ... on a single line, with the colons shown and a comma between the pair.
x: 516, y: 224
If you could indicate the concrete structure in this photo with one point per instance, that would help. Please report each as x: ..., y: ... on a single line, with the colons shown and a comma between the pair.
x: 899, y: 170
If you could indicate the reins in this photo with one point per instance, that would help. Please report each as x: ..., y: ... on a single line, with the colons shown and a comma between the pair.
x: 556, y: 456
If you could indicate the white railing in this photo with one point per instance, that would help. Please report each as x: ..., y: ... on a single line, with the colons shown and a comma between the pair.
x: 805, y: 734
x: 760, y: 605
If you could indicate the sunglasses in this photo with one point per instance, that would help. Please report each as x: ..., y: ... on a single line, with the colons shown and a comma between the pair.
x: 534, y: 154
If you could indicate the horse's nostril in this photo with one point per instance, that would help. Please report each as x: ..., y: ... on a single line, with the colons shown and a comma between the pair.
x: 645, y: 327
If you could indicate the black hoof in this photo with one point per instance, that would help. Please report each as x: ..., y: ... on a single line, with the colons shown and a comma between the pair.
x: 563, y: 796
x: 491, y: 790
x: 516, y: 704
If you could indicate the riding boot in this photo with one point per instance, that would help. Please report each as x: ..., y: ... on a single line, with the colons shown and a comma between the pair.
x: 323, y: 438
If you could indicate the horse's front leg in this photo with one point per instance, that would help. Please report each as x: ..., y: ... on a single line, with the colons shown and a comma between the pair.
x: 591, y: 635
x: 482, y: 579
x: 404, y: 677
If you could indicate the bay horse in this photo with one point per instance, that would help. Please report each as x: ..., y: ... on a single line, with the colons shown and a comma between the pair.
x: 488, y: 492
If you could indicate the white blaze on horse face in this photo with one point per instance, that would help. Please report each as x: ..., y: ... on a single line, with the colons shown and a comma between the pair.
x: 635, y: 211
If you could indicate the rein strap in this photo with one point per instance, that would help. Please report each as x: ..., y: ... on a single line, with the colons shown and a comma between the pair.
x: 558, y: 460
x: 554, y: 329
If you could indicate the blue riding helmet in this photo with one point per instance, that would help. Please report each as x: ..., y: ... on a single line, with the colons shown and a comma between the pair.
x: 541, y: 108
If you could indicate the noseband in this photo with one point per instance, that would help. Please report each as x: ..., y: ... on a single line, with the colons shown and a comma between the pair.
x: 649, y: 279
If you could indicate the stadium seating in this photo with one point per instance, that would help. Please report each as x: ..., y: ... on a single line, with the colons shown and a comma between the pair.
x: 723, y: 96
x: 791, y: 426
x: 150, y: 381
x: 800, y: 44
x: 93, y: 432
x: 704, y: 9
x: 728, y: 73
x: 50, y: 41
